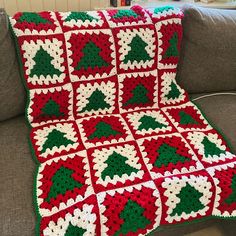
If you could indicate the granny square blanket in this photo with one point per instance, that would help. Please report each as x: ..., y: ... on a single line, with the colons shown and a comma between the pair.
x: 120, y: 148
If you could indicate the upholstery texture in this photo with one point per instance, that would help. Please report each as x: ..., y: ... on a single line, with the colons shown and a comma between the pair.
x: 12, y: 94
x: 208, y: 55
x: 16, y: 203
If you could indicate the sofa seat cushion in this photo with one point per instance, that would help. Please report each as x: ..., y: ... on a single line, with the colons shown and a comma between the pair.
x: 17, y: 167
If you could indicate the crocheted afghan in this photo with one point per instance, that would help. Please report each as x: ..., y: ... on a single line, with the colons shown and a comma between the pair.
x: 120, y: 148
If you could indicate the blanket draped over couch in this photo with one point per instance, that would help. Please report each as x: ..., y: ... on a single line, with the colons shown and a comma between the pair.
x: 120, y: 148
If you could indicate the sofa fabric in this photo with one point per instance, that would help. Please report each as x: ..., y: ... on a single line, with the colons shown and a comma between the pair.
x: 12, y: 94
x: 208, y: 54
x: 16, y: 203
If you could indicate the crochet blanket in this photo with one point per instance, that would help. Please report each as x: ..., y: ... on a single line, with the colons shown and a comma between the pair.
x: 120, y: 148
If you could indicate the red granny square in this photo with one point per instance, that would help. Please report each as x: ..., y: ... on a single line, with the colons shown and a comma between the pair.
x: 102, y: 130
x: 168, y: 155
x: 31, y: 23
x: 50, y: 105
x: 186, y: 197
x: 44, y: 60
x: 53, y: 140
x: 137, y: 91
x: 130, y: 211
x: 91, y: 54
x: 210, y: 147
x: 187, y: 117
x: 116, y: 166
x: 126, y: 17
x: 170, y: 44
x: 81, y: 218
x: 63, y: 180
x: 225, y: 179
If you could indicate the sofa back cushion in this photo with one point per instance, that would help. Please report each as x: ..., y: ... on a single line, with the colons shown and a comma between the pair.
x: 208, y: 55
x: 12, y: 94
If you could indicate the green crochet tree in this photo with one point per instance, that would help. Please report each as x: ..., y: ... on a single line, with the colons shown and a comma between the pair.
x: 162, y: 9
x: 172, y: 50
x: 96, y: 101
x: 174, y: 91
x: 51, y: 108
x: 91, y: 57
x: 138, y: 51
x: 139, y: 96
x: 210, y: 148
x: 167, y: 155
x: 103, y: 130
x: 43, y: 65
x: 133, y: 218
x: 74, y: 231
x: 62, y: 181
x: 125, y: 13
x: 232, y: 196
x: 189, y: 201
x: 116, y: 165
x: 148, y: 122
x: 31, y: 17
x: 55, y: 139
x: 186, y: 119
x: 83, y: 16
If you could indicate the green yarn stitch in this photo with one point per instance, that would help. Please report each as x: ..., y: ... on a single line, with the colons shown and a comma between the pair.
x: 43, y: 65
x: 189, y: 201
x: 51, y: 108
x: 116, y: 165
x: 138, y: 51
x: 162, y: 9
x: 232, y: 196
x: 91, y: 57
x: 186, y: 119
x: 210, y: 148
x: 139, y: 96
x: 31, y: 17
x: 103, y: 130
x: 174, y: 91
x: 83, y: 16
x: 55, y: 139
x: 148, y: 122
x: 133, y: 217
x: 96, y: 101
x: 125, y: 13
x: 167, y: 155
x: 172, y: 50
x: 62, y: 181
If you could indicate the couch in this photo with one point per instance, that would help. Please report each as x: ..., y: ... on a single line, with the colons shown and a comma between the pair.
x: 207, y: 70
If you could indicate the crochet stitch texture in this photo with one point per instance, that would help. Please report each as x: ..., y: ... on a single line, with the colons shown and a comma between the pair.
x: 119, y: 147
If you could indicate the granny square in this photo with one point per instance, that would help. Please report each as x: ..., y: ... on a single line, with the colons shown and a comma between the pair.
x: 137, y: 91
x: 168, y: 155
x: 136, y: 48
x: 57, y: 139
x: 116, y: 165
x: 148, y: 123
x: 45, y: 62
x: 102, y: 130
x: 50, y: 105
x: 135, y: 16
x: 119, y: 147
x: 91, y: 54
x: 81, y: 20
x: 95, y: 97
